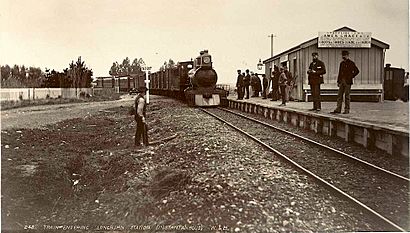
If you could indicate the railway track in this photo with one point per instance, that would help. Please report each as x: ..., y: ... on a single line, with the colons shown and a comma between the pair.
x: 377, y: 191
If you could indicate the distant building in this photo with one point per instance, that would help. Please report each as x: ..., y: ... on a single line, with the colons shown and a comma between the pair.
x: 368, y: 54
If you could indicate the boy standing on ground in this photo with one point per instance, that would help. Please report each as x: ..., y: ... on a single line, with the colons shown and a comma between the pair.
x: 140, y: 113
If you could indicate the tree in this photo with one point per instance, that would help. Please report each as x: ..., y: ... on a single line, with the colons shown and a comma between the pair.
x: 55, y: 79
x: 15, y: 72
x: 126, y: 67
x: 79, y: 74
x: 12, y: 76
x: 167, y: 65
x: 51, y: 79
x: 136, y: 67
x: 114, y: 70
x: 35, y: 77
x: 22, y: 74
x: 5, y: 74
x: 171, y: 63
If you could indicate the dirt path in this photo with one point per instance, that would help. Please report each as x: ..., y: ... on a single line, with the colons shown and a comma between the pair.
x: 39, y: 116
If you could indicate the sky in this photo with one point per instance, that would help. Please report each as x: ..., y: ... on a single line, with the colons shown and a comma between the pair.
x: 52, y: 33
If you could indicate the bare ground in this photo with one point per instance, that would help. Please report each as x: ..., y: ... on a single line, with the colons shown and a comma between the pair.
x: 85, y: 173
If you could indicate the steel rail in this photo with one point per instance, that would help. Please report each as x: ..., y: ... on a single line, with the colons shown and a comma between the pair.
x: 400, y: 177
x: 311, y: 174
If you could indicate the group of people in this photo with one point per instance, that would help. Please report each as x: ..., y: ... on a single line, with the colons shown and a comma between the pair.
x: 281, y: 79
x: 347, y: 71
x: 283, y: 83
x: 245, y: 81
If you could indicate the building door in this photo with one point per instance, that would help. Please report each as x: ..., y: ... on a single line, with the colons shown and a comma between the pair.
x: 295, y: 91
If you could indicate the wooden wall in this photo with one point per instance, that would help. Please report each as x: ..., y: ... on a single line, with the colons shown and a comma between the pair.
x: 369, y: 61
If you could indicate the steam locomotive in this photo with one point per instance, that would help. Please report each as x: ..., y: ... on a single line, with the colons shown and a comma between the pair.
x: 191, y: 81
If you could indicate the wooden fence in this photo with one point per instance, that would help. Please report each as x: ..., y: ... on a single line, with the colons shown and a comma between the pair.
x: 16, y: 94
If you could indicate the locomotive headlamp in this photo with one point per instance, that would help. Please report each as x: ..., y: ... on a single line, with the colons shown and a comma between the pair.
x: 207, y: 60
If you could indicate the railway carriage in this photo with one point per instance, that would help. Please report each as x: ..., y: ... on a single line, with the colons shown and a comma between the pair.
x: 394, y: 84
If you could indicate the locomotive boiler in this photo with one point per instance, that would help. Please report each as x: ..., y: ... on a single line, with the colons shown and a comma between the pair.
x: 203, y: 91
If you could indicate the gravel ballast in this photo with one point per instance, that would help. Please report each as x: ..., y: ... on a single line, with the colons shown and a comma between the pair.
x: 208, y: 178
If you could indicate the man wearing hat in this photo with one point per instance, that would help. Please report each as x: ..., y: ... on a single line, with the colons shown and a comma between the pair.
x: 275, y: 85
x: 315, y: 77
x: 247, y: 82
x: 265, y: 85
x: 140, y: 113
x: 240, y: 86
x: 347, y: 71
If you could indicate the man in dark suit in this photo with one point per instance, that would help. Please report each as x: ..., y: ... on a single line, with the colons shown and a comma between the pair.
x: 247, y: 83
x: 275, y: 86
x: 239, y: 85
x: 265, y: 85
x: 289, y: 84
x: 347, y: 71
x: 315, y: 77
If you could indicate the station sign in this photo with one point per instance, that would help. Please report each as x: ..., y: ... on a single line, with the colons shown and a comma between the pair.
x: 146, y: 68
x: 344, y: 39
x: 284, y: 58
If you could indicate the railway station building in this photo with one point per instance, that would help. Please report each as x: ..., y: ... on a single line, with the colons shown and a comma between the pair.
x: 368, y: 53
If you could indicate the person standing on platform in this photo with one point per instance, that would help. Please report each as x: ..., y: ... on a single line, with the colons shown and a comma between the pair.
x: 275, y: 86
x: 289, y: 84
x: 254, y: 84
x: 247, y: 82
x: 140, y: 114
x: 240, y: 86
x: 258, y: 84
x: 265, y: 85
x: 282, y: 84
x: 347, y: 71
x: 315, y: 77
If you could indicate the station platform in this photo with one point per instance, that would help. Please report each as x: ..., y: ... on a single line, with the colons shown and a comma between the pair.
x: 389, y: 114
x: 384, y: 125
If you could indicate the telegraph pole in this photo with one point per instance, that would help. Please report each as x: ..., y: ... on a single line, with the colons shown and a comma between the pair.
x: 147, y: 81
x: 271, y: 44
